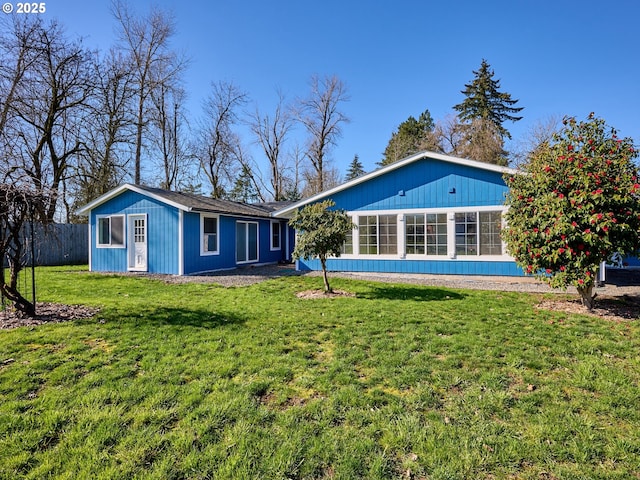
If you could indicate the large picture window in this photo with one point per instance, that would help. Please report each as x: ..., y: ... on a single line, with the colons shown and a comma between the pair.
x: 209, y: 243
x: 110, y: 231
x: 478, y: 233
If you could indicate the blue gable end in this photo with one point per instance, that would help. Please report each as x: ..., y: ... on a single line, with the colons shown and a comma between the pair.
x: 426, y: 183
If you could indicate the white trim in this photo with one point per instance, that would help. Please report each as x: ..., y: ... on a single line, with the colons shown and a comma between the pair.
x: 124, y: 231
x: 271, y: 225
x: 90, y: 237
x: 401, y: 163
x: 180, y: 242
x: 203, y: 252
x: 86, y: 210
x: 401, y: 232
x: 131, y: 248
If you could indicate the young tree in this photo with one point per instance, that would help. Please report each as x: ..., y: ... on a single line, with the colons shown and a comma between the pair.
x: 576, y: 203
x: 412, y: 136
x: 485, y: 100
x: 321, y: 116
x: 355, y: 169
x: 321, y: 233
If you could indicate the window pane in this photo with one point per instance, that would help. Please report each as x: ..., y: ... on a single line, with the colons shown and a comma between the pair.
x: 117, y: 230
x: 253, y: 241
x: 275, y: 235
x: 388, y: 234
x: 104, y: 235
x: 368, y: 234
x: 347, y: 246
x: 437, y: 234
x: 210, y: 225
x: 490, y: 226
x: 414, y: 234
x: 241, y: 242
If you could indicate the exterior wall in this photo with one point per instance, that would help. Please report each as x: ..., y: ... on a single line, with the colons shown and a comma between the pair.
x: 162, y: 234
x: 195, y: 262
x: 424, y: 186
x: 436, y: 267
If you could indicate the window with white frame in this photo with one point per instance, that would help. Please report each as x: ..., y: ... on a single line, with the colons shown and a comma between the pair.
x: 378, y: 234
x: 490, y: 227
x: 209, y: 238
x: 436, y: 234
x: 275, y: 236
x: 110, y: 231
x: 347, y: 246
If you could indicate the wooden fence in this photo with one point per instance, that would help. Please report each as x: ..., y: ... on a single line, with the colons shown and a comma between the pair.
x: 58, y: 244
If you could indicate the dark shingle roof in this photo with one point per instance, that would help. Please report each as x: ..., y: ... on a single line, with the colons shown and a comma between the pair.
x: 201, y: 203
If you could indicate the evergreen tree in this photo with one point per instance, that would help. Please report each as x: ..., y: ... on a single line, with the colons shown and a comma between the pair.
x: 412, y: 136
x: 484, y: 100
x: 355, y: 169
x: 244, y: 189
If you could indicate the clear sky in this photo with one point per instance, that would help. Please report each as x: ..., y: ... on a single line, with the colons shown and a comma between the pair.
x: 561, y: 57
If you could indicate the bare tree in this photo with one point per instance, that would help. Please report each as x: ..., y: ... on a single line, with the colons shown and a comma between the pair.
x: 146, y: 40
x: 539, y: 134
x: 108, y: 133
x: 271, y: 133
x: 321, y: 116
x: 48, y: 109
x: 218, y: 146
x: 168, y: 138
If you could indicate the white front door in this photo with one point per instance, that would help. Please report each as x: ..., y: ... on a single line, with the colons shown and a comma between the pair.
x: 137, y: 243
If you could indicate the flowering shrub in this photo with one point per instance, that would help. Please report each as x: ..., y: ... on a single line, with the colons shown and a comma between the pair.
x: 576, y: 203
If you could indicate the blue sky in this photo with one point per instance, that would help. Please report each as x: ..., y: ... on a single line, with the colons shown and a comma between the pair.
x: 562, y: 57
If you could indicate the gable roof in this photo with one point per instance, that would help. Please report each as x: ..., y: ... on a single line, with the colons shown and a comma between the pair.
x: 284, y: 212
x: 184, y: 201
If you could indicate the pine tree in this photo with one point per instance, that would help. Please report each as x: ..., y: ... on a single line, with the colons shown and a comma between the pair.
x: 244, y: 189
x: 412, y: 136
x: 355, y: 169
x: 484, y: 100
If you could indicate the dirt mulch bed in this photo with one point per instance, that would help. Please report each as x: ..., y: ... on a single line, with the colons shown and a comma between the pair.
x: 46, y: 313
x: 311, y: 294
x: 620, y: 308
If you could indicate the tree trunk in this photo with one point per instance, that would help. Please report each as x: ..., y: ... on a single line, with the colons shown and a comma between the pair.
x: 327, y: 288
x: 586, y: 296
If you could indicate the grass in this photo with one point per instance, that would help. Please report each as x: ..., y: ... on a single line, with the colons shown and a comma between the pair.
x: 199, y: 381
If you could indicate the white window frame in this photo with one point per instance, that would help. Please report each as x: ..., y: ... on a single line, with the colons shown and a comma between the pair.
x: 401, y: 232
x: 111, y: 244
x: 204, y: 252
x: 275, y: 224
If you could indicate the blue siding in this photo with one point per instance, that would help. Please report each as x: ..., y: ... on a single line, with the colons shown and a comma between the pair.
x: 162, y: 234
x: 425, y: 183
x: 226, y: 258
x: 440, y: 267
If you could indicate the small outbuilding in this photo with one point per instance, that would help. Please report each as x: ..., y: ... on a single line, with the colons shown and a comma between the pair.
x: 142, y: 229
x: 428, y: 213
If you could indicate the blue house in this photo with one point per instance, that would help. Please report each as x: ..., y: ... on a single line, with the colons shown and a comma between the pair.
x: 428, y: 213
x: 142, y: 229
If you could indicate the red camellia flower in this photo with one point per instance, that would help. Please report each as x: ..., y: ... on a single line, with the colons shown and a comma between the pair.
x: 580, y: 281
x: 561, y: 250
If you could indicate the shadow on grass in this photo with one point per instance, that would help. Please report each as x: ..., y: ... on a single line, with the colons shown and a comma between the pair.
x: 403, y: 292
x: 192, y: 318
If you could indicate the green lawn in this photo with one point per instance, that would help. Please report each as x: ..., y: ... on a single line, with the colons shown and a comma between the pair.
x: 199, y: 381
